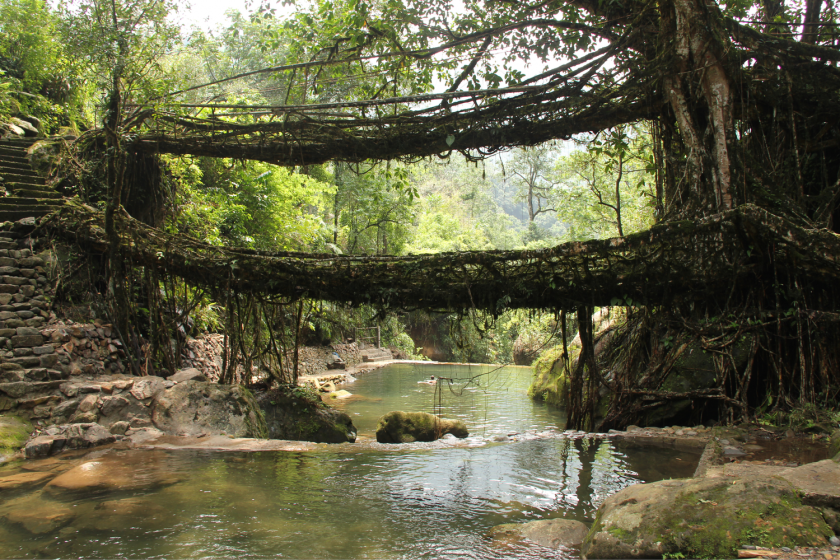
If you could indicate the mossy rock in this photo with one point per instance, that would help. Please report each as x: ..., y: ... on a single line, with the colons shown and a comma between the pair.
x: 702, y: 518
x: 295, y: 413
x: 551, y: 533
x: 14, y: 431
x: 407, y: 427
x: 550, y: 384
x: 834, y: 445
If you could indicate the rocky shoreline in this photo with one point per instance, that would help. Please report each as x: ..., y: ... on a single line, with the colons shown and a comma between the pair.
x: 741, y: 503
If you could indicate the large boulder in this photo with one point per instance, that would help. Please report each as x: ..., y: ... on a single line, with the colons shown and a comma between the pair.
x: 36, y: 515
x: 295, y: 413
x: 407, y: 427
x: 817, y: 483
x: 550, y: 533
x: 702, y: 518
x: 195, y: 408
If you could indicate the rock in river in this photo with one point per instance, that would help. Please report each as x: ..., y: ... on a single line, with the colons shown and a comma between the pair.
x: 702, y: 518
x: 115, y: 472
x: 294, y: 415
x: 22, y: 480
x: 406, y: 427
x: 36, y: 515
x: 195, y: 408
x: 551, y: 533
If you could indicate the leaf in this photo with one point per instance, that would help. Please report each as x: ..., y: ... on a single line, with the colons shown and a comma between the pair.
x: 450, y: 140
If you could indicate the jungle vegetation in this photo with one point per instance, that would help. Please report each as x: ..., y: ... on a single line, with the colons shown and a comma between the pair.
x: 512, y: 164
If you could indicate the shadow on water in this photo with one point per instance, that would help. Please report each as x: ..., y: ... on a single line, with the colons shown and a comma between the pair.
x: 422, y: 503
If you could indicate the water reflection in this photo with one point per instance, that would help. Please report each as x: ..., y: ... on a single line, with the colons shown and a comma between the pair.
x: 491, y: 400
x: 339, y: 503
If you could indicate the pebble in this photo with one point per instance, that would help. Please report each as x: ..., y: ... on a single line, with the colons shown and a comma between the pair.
x: 834, y: 541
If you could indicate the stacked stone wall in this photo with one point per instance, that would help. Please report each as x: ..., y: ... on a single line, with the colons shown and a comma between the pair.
x: 205, y: 354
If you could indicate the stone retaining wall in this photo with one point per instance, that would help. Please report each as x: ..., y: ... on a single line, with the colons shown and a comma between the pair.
x: 205, y: 354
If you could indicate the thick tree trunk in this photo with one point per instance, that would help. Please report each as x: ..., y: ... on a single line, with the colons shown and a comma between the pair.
x: 698, y: 57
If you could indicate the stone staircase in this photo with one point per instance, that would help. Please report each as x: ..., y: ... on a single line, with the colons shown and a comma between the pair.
x: 26, y: 193
x: 374, y: 354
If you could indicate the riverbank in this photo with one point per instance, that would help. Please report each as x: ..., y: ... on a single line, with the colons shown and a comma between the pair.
x: 728, y: 453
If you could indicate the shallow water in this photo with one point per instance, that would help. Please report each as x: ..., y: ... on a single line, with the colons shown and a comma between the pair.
x: 491, y: 400
x: 332, y: 503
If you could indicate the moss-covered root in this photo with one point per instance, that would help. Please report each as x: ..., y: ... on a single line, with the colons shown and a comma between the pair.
x: 702, y: 518
x: 14, y: 431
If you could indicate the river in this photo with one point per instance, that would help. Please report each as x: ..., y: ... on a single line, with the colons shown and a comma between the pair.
x: 362, y: 500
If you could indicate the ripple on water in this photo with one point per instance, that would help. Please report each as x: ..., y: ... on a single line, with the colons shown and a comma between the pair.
x: 439, y: 500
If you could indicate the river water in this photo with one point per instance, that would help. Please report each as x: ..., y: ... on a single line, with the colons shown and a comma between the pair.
x: 350, y: 501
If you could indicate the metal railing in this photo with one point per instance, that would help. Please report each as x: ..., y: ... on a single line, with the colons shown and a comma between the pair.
x: 370, y: 337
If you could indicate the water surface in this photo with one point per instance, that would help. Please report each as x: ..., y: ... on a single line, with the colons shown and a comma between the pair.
x: 491, y: 400
x: 340, y: 501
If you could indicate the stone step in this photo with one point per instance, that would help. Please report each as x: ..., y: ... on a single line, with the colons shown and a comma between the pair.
x: 30, y: 177
x: 376, y: 355
x: 11, y: 204
x: 30, y: 201
x: 15, y: 167
x: 22, y: 163
x: 6, y: 151
x: 369, y: 360
x: 15, y: 215
x: 20, y: 141
x: 20, y: 145
x: 32, y: 192
x: 25, y: 182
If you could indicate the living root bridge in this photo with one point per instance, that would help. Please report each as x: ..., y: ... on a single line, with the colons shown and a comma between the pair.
x: 689, y: 260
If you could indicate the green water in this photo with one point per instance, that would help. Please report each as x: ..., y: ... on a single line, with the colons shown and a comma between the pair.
x: 492, y: 401
x: 346, y: 501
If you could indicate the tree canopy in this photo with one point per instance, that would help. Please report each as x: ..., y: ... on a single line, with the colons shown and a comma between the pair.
x: 742, y: 164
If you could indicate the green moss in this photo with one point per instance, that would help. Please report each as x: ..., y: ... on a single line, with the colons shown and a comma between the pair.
x: 407, y: 427
x: 620, y: 533
x: 701, y: 527
x: 14, y: 431
x: 550, y: 384
x: 255, y: 424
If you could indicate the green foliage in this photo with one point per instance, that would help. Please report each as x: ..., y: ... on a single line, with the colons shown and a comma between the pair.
x: 37, y: 77
x: 458, y: 210
x: 252, y: 204
x: 607, y: 188
x: 14, y: 431
x: 372, y: 209
x: 122, y: 42
x: 804, y: 418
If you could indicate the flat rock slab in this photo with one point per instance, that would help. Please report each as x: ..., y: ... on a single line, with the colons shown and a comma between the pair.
x: 818, y: 483
x: 23, y: 480
x: 550, y: 533
x: 37, y: 516
x: 189, y: 374
x: 703, y: 518
x: 222, y: 443
x: 115, y: 472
